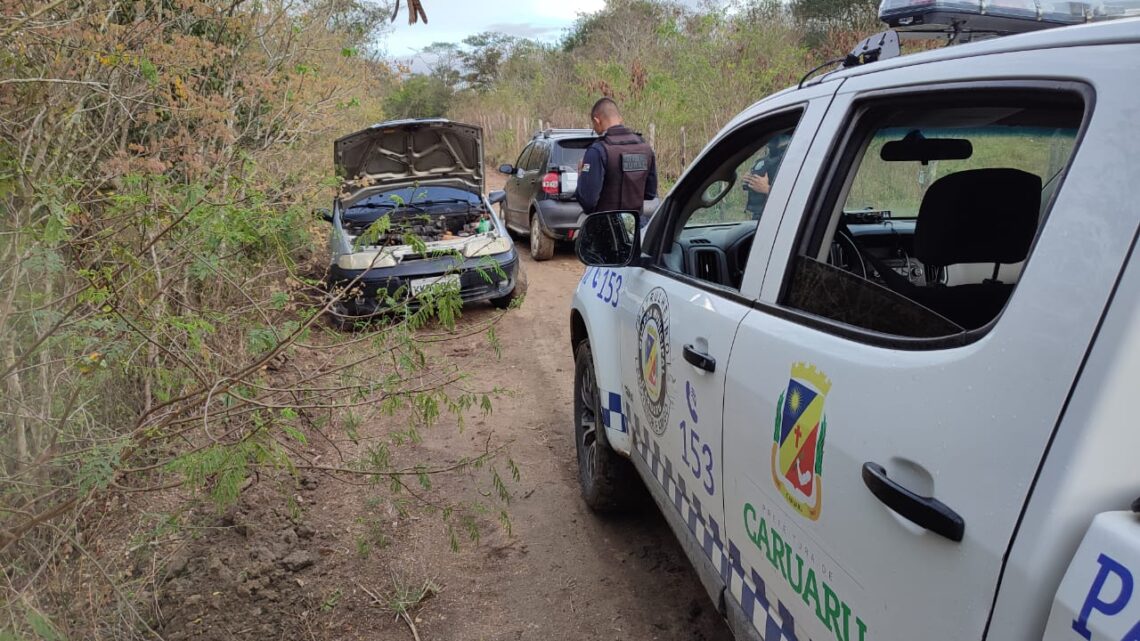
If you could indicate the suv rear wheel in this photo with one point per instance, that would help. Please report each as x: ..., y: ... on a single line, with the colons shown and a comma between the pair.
x: 541, y: 245
x: 608, y: 481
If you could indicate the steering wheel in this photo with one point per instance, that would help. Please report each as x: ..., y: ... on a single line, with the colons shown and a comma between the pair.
x: 843, y: 249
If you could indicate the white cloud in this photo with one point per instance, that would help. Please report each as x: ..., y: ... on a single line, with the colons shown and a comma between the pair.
x: 565, y: 9
x: 523, y: 29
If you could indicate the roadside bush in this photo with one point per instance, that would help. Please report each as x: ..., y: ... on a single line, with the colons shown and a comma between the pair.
x: 160, y: 332
x: 678, y: 74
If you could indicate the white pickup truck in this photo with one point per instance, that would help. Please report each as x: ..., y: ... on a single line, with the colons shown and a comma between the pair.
x: 889, y: 398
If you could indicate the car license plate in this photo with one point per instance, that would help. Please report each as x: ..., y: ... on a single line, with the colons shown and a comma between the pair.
x: 420, y: 284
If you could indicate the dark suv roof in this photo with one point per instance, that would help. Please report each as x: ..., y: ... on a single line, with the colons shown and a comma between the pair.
x: 563, y: 147
x: 556, y: 134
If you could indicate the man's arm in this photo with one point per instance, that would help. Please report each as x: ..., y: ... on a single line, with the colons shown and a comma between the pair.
x: 590, y: 178
x: 651, y: 180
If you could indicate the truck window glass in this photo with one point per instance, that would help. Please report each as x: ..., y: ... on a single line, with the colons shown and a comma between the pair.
x: 928, y: 228
x: 721, y: 202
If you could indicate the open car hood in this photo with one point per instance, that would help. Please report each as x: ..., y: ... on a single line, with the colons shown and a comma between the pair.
x: 401, y: 153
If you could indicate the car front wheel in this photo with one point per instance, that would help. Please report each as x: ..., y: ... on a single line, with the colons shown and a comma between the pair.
x: 608, y: 481
x: 504, y: 302
x: 541, y: 245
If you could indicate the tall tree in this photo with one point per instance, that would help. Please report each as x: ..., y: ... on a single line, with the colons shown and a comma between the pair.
x: 445, y: 62
x: 483, y: 56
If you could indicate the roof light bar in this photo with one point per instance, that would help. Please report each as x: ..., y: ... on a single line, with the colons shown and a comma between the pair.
x: 916, y: 18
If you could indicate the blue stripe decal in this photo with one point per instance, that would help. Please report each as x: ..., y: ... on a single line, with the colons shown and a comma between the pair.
x: 613, y: 416
x: 768, y: 616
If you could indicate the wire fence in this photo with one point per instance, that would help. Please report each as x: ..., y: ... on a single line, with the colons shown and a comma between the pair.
x: 505, y: 135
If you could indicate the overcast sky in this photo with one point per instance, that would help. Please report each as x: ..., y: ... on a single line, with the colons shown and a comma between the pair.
x: 454, y: 20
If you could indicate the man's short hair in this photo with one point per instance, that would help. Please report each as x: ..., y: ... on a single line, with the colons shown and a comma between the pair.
x: 605, y: 107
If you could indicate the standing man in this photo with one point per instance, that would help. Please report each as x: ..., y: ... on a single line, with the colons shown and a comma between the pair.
x: 758, y: 181
x: 619, y: 170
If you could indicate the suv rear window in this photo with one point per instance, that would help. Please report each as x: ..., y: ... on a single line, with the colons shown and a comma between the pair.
x: 933, y: 212
x: 570, y: 152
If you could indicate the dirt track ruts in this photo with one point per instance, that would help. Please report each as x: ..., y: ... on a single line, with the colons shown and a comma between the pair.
x: 563, y: 573
x: 567, y: 573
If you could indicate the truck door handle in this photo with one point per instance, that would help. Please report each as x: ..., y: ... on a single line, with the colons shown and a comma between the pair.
x: 924, y: 511
x: 699, y: 360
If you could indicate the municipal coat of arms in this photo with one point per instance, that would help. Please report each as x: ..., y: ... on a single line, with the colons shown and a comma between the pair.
x: 653, y: 359
x: 797, y: 443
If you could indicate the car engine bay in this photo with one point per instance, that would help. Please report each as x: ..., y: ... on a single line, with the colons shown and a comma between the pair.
x: 427, y: 227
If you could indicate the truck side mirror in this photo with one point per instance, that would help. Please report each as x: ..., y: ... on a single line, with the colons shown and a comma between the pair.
x: 609, y: 239
x: 506, y: 168
x: 497, y: 196
x: 325, y: 214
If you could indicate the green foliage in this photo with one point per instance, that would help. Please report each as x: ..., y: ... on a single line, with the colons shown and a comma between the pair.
x: 97, y: 468
x: 821, y: 13
x: 419, y: 97
x: 330, y: 602
x: 223, y: 468
x: 405, y: 595
x: 665, y: 64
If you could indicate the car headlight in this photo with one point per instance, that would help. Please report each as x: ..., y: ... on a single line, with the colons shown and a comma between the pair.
x: 486, y: 246
x: 357, y: 261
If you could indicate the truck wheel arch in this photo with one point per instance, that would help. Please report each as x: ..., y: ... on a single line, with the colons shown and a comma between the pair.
x: 578, y: 331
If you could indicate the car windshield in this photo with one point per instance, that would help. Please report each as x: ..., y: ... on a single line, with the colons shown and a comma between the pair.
x: 896, y: 187
x: 416, y: 198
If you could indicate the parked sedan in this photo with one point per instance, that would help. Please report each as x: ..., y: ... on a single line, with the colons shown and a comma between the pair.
x: 411, y: 214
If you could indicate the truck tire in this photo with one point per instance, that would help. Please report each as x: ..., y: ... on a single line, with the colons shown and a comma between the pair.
x: 503, y: 302
x: 541, y: 245
x: 607, y: 480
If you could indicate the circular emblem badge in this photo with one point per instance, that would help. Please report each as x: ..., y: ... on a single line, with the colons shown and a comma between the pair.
x: 653, y: 358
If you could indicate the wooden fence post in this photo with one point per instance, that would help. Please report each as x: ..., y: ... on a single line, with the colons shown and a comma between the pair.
x: 683, y: 163
x: 653, y: 135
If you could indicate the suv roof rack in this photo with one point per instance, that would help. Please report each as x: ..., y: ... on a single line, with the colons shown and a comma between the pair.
x: 549, y: 131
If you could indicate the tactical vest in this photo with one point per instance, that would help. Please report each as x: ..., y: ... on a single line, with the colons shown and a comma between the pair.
x: 628, y: 159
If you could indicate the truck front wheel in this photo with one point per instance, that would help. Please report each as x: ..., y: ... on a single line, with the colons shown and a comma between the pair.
x: 608, y: 481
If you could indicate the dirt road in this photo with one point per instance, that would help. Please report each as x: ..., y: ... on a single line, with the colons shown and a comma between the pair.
x: 562, y: 574
x: 565, y: 573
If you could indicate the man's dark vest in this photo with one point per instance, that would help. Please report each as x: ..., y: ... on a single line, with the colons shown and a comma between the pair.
x: 628, y: 159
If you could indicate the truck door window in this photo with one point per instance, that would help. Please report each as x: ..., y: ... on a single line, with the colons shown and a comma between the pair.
x: 721, y: 201
x: 935, y: 209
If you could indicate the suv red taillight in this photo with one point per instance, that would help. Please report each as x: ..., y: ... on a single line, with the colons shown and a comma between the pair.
x: 551, y: 183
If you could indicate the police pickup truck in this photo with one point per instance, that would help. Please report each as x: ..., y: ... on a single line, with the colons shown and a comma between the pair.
x: 892, y: 403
